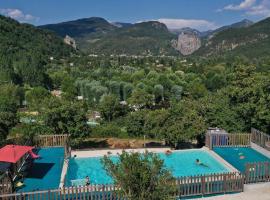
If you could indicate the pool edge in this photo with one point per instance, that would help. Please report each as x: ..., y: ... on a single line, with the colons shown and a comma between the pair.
x: 260, y: 149
x: 221, y: 160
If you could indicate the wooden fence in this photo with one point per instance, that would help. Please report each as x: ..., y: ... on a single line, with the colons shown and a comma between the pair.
x: 257, y: 172
x: 185, y: 186
x: 93, y: 192
x: 210, y: 184
x: 230, y: 140
x: 5, y: 184
x: 51, y: 140
x: 260, y: 138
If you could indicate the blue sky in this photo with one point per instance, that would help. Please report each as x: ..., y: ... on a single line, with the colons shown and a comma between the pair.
x: 200, y: 14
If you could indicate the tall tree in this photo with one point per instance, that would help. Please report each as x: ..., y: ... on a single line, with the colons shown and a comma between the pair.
x: 140, y: 176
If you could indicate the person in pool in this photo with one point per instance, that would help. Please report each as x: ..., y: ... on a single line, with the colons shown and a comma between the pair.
x: 87, y: 180
x: 198, y: 162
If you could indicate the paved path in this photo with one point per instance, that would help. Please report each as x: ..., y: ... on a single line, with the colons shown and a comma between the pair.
x: 97, y: 153
x: 251, y: 192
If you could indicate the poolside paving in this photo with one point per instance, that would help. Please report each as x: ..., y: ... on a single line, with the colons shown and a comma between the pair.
x: 259, y: 191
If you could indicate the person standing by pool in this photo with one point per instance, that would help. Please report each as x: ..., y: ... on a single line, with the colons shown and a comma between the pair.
x: 87, y: 180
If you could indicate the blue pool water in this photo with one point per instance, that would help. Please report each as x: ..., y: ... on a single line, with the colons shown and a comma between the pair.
x: 239, y: 156
x: 45, y: 172
x: 181, y: 163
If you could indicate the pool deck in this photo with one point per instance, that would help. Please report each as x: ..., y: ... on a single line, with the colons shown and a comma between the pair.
x: 260, y: 150
x: 259, y: 191
x: 221, y: 160
x: 64, y: 172
x: 100, y: 153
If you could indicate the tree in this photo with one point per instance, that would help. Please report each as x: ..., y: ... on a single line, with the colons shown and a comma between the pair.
x: 140, y: 176
x: 177, y: 92
x: 127, y: 91
x: 135, y: 123
x: 154, y: 123
x: 35, y: 97
x: 110, y: 107
x: 8, y: 117
x: 69, y: 89
x: 67, y: 118
x: 141, y: 99
x: 183, y: 124
x: 159, y: 93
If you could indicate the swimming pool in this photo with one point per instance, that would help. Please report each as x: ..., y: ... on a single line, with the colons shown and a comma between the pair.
x: 181, y: 163
x: 45, y: 172
x: 239, y: 156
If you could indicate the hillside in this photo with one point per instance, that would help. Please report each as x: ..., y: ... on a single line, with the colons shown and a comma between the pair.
x: 250, y: 41
x: 25, y: 49
x: 97, y: 36
x: 140, y: 39
x: 81, y: 28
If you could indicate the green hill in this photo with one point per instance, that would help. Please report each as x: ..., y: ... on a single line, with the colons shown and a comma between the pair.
x: 140, y: 39
x: 251, y: 41
x: 25, y: 50
x: 97, y: 36
x: 81, y: 28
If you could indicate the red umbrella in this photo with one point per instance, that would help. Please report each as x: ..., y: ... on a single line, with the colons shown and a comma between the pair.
x: 13, y: 153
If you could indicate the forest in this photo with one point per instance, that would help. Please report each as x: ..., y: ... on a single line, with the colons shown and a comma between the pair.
x: 164, y: 98
x: 49, y: 88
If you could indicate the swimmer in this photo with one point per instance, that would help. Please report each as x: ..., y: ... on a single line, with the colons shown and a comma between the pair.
x: 168, y: 152
x: 198, y: 162
x: 87, y: 180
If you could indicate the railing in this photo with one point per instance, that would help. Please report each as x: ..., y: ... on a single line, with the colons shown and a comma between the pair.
x: 210, y: 184
x: 51, y: 140
x: 5, y: 184
x: 257, y: 172
x: 95, y: 192
x: 185, y: 186
x: 232, y: 140
x: 260, y: 138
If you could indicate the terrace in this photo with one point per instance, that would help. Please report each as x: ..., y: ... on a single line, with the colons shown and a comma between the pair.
x: 235, y: 163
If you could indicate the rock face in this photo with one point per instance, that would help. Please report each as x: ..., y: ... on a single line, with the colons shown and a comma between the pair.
x: 188, y: 43
x: 70, y: 41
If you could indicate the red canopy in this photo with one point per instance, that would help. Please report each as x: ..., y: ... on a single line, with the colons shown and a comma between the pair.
x: 13, y: 153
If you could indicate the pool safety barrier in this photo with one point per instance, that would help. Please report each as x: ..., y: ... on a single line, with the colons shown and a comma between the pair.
x: 183, y: 187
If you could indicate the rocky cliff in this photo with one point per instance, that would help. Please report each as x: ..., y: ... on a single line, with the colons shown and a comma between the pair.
x: 187, y: 43
x: 70, y: 41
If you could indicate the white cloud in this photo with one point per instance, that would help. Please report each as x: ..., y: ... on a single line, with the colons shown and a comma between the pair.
x: 246, y: 4
x: 199, y: 24
x: 251, y: 7
x: 17, y: 14
x: 262, y: 9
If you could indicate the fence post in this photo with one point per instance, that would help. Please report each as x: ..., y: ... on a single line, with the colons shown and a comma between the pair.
x: 49, y: 194
x: 203, y: 185
x: 224, y: 183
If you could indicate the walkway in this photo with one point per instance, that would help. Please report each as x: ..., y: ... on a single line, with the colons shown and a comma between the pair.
x: 260, y: 191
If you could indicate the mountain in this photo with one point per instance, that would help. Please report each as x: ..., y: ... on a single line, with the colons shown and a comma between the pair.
x: 139, y: 39
x: 81, y: 27
x: 185, y: 30
x: 25, y: 50
x: 82, y: 30
x: 251, y: 41
x: 121, y: 24
x: 98, y: 36
x: 242, y: 24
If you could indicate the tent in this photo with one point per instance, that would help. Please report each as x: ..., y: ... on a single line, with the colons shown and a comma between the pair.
x: 13, y: 153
